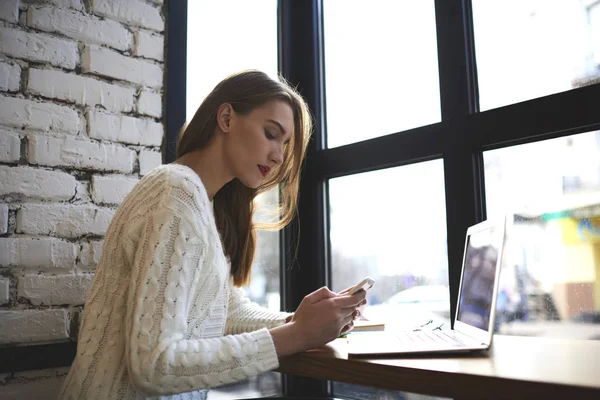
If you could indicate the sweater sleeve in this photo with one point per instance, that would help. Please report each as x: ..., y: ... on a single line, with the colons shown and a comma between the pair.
x: 168, y: 264
x: 246, y: 316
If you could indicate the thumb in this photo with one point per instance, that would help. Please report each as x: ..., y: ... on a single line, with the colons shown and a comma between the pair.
x: 320, y: 294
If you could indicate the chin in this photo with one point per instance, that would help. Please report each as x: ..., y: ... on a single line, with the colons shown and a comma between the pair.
x: 251, y: 183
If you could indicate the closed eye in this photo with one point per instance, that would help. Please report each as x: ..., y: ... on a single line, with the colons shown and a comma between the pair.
x: 268, y: 135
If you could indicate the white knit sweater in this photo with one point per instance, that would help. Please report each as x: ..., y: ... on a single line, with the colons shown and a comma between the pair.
x: 162, y: 317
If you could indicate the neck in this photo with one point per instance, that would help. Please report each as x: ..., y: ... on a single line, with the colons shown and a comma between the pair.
x: 209, y: 164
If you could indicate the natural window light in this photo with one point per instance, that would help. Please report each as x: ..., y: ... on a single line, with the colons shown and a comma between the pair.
x: 550, y: 280
x: 531, y: 48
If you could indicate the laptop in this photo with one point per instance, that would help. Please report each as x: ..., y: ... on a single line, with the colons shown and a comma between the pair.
x: 473, y: 324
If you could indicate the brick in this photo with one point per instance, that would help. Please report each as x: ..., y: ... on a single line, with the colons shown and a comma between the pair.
x: 33, y: 325
x: 149, y: 160
x: 131, y: 12
x: 22, y: 113
x: 9, y: 10
x: 3, y: 219
x: 38, y: 47
x: 82, y: 192
x: 75, y: 4
x: 80, y: 154
x: 54, y: 290
x: 79, y: 26
x: 81, y: 90
x: 44, y: 252
x: 150, y: 103
x: 38, y: 388
x: 108, y: 63
x: 10, y: 146
x: 10, y: 76
x: 121, y: 128
x: 38, y: 183
x: 63, y: 220
x: 90, y: 253
x: 4, y: 290
x: 111, y: 189
x: 149, y: 45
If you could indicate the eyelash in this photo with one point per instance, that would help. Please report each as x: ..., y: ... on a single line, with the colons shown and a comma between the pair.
x: 268, y: 135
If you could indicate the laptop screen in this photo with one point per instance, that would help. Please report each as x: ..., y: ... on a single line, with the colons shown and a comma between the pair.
x: 477, y: 287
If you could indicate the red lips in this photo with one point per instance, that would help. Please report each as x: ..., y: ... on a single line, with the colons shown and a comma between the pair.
x: 264, y: 170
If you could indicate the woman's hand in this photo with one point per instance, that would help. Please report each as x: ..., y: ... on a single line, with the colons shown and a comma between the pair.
x: 323, y: 315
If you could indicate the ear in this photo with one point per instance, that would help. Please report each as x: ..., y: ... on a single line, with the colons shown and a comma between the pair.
x: 224, y: 114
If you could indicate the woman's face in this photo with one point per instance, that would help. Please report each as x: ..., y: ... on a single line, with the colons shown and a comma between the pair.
x: 254, y: 142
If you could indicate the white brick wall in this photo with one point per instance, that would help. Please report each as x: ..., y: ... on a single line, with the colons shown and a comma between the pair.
x: 81, y: 154
x: 33, y: 325
x: 111, y: 189
x: 149, y: 45
x: 34, y: 182
x: 150, y: 103
x: 10, y: 146
x: 74, y: 127
x: 54, y: 290
x: 4, y: 290
x: 108, y: 63
x: 63, y: 220
x: 79, y: 26
x: 124, y: 129
x: 9, y: 10
x: 42, y: 252
x: 38, y: 384
x: 10, y: 76
x: 149, y: 160
x: 90, y: 253
x: 36, y: 115
x: 81, y: 90
x: 38, y: 47
x: 3, y: 218
x: 75, y: 4
x: 134, y: 12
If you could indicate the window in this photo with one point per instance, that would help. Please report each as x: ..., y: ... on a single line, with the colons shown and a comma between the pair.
x: 550, y: 281
x: 528, y: 48
x: 225, y: 37
x: 376, y: 71
x: 391, y: 225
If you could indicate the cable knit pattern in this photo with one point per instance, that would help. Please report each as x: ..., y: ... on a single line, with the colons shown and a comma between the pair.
x: 162, y: 301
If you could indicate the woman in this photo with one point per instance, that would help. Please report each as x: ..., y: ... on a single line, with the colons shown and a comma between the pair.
x: 164, y: 315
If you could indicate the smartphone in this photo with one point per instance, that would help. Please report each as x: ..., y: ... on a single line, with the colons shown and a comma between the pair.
x: 365, y: 284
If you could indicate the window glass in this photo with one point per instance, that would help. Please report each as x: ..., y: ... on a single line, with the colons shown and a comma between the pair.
x: 224, y: 37
x: 357, y: 392
x: 550, y: 279
x: 249, y: 41
x: 381, y: 68
x: 532, y: 48
x: 391, y: 225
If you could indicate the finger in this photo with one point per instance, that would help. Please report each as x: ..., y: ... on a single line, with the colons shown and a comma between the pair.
x: 348, y: 320
x: 348, y: 327
x: 320, y: 294
x: 350, y: 311
x: 350, y: 301
x: 345, y: 291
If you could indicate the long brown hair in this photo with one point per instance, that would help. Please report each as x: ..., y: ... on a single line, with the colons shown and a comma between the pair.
x: 234, y: 203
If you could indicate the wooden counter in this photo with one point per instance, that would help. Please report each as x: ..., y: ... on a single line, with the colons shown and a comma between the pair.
x: 515, y: 367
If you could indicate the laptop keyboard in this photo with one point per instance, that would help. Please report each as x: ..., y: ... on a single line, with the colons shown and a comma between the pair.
x: 445, y: 337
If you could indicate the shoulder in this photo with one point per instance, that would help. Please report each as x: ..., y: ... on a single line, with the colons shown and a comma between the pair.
x: 176, y: 187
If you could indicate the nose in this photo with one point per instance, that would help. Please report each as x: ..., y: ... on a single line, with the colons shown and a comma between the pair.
x: 277, y: 155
